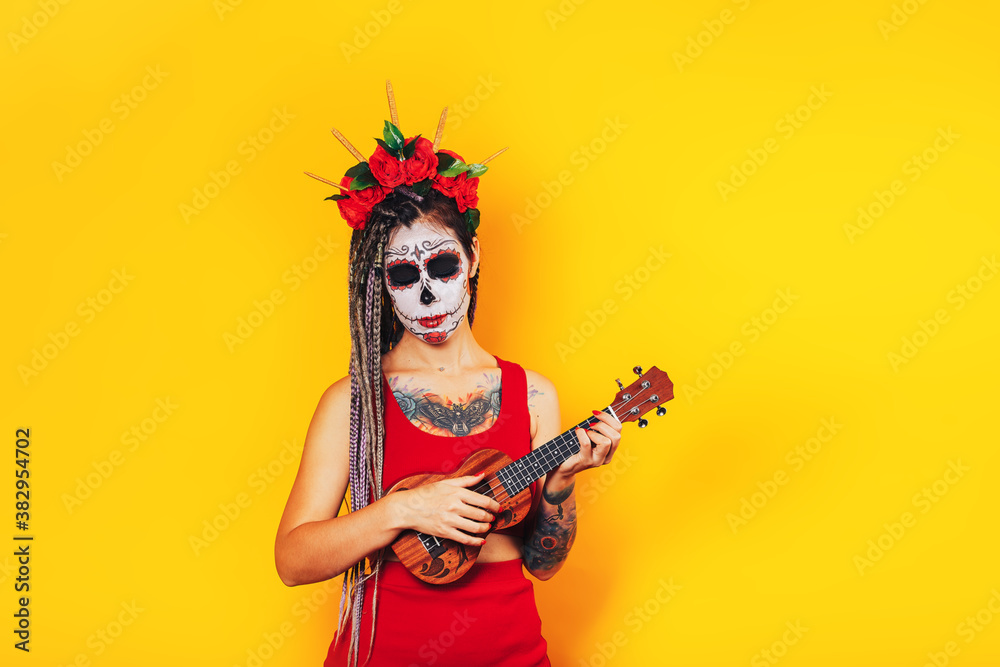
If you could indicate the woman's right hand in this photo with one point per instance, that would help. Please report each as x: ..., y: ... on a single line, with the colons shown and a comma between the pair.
x: 443, y: 508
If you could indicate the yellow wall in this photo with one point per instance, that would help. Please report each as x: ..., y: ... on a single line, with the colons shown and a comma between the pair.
x: 684, y: 188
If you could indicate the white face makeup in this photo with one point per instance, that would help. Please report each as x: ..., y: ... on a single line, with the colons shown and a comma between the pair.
x: 427, y: 277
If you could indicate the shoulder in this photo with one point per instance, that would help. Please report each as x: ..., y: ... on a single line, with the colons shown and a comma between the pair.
x: 332, y: 415
x: 543, y: 403
x: 337, y: 398
x: 540, y: 388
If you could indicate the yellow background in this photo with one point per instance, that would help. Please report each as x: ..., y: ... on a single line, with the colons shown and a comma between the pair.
x: 551, y: 80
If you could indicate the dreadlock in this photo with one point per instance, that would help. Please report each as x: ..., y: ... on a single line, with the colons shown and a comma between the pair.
x: 375, y: 330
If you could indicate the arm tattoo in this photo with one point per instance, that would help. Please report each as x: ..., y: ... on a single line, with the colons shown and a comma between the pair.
x: 532, y: 392
x: 555, y: 529
x: 443, y: 416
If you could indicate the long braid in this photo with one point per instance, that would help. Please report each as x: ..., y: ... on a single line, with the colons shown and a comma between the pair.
x: 360, y: 430
x: 367, y: 408
x: 375, y: 368
x: 375, y: 329
x: 474, y: 289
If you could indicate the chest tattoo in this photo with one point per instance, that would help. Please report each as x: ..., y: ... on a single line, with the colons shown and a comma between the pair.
x: 438, y: 415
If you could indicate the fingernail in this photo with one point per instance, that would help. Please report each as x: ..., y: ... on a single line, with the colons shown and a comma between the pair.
x: 597, y: 412
x: 483, y: 542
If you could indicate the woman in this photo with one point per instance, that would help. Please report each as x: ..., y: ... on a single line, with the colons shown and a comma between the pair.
x: 421, y: 395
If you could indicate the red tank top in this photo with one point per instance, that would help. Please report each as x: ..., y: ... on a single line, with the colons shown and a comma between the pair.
x: 410, y: 450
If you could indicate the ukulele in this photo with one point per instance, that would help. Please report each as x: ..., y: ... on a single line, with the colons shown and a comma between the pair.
x: 439, y: 560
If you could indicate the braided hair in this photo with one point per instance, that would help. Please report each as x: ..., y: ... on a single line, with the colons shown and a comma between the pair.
x: 375, y: 329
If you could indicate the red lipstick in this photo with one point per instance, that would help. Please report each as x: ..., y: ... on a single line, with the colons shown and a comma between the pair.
x: 431, y: 322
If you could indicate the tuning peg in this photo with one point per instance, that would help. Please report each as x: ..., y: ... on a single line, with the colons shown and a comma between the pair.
x: 620, y: 385
x: 643, y: 423
x: 637, y: 370
x: 660, y: 411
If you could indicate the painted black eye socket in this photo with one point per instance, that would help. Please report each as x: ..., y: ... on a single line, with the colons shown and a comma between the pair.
x: 443, y: 266
x: 403, y: 274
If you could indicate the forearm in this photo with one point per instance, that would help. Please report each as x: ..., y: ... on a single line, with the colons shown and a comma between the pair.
x: 321, y: 550
x: 546, y: 547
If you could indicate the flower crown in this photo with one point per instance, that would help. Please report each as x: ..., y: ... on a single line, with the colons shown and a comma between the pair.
x: 411, y: 166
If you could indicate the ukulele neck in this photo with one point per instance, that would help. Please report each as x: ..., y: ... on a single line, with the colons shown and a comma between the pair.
x: 518, y: 475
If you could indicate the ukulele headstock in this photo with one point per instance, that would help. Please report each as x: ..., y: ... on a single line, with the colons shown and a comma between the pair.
x: 651, y: 390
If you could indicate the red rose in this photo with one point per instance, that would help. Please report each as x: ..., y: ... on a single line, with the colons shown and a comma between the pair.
x: 386, y: 168
x: 423, y: 163
x: 355, y: 214
x: 367, y: 197
x: 449, y: 185
x: 467, y: 197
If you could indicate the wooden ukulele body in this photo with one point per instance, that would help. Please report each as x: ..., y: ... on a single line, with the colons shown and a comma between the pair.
x: 439, y: 560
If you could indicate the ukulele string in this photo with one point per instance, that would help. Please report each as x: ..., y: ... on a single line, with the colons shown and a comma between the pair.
x: 489, y: 485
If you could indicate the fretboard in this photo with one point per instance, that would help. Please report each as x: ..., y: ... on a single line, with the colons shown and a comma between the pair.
x: 518, y: 475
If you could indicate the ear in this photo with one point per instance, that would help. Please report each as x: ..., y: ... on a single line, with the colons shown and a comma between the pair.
x: 475, y: 257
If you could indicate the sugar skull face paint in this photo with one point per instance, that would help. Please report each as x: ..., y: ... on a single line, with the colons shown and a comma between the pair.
x: 427, y: 277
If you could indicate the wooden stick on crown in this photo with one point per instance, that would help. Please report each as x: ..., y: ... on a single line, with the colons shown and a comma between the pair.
x: 394, y: 117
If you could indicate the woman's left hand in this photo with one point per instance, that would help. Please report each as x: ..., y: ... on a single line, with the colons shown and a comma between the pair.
x: 597, y: 445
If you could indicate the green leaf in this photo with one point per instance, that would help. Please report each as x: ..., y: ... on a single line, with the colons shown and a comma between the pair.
x: 472, y: 217
x: 454, y: 168
x: 363, y: 181
x: 476, y: 169
x: 444, y: 161
x: 410, y: 148
x: 336, y: 197
x: 389, y: 149
x: 393, y: 136
x: 422, y: 187
x: 358, y: 169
